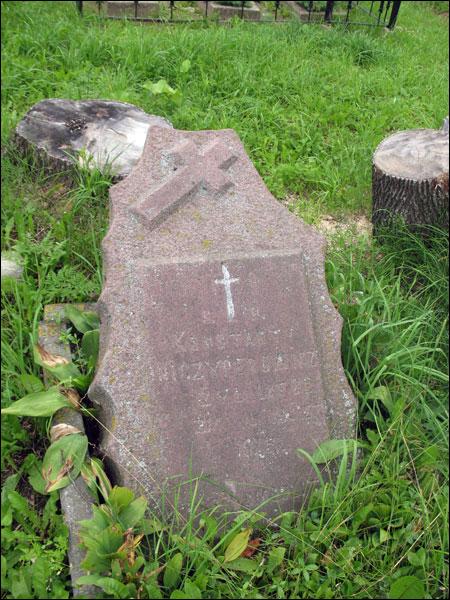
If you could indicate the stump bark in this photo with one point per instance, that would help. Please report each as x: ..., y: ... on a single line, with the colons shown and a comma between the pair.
x: 410, y: 179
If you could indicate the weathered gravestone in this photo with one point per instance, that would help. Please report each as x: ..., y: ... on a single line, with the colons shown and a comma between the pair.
x: 108, y: 134
x: 220, y: 347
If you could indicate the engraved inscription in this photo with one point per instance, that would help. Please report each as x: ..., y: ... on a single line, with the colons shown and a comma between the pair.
x: 203, y: 370
x: 255, y: 355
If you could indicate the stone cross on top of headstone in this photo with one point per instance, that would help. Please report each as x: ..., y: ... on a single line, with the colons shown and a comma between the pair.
x: 220, y: 346
x: 156, y: 205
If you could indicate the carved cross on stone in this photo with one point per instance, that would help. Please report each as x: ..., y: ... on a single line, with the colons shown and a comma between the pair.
x: 226, y: 282
x: 204, y: 167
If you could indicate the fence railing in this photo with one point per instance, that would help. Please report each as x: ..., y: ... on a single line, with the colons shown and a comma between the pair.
x: 373, y: 14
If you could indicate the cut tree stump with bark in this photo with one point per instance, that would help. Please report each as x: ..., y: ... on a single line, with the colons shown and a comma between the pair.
x: 410, y: 179
x: 101, y: 134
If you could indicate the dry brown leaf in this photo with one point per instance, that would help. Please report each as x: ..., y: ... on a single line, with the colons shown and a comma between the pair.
x: 72, y: 396
x: 251, y: 548
x: 51, y: 360
x: 62, y: 429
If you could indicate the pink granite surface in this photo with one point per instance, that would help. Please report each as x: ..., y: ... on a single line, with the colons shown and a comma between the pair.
x: 220, y: 347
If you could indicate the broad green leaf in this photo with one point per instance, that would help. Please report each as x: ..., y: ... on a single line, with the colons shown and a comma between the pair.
x: 10, y: 484
x: 179, y: 595
x: 383, y: 394
x: 237, y: 545
x: 373, y: 437
x: 4, y: 566
x: 192, y: 590
x: 150, y: 526
x: 133, y: 513
x: 331, y: 449
x: 107, y: 542
x: 384, y: 536
x: 90, y: 346
x: 173, y: 570
x: 87, y: 580
x: 82, y: 320
x: 94, y: 562
x: 35, y: 478
x: 417, y: 559
x: 100, y: 520
x: 22, y: 506
x: 185, y: 66
x: 429, y: 457
x: 7, y: 515
x: 120, y: 497
x: 153, y: 590
x: 177, y: 97
x: 245, y: 565
x: 161, y: 87
x: 40, y: 573
x: 31, y: 383
x: 112, y: 587
x: 361, y: 515
x: 408, y: 587
x: 40, y: 404
x: 63, y: 460
x: 81, y: 382
x: 276, y: 557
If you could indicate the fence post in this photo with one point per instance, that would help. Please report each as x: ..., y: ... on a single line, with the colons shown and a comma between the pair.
x: 349, y: 8
x: 135, y: 9
x: 79, y: 4
x: 242, y: 9
x: 277, y: 6
x: 171, y: 10
x: 380, y: 11
x: 394, y: 14
x: 329, y: 11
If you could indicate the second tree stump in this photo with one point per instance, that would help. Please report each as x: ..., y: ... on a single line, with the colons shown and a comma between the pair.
x: 410, y: 178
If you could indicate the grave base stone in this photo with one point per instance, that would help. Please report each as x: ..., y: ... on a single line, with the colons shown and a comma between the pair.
x: 251, y: 12
x: 220, y: 346
x: 120, y: 8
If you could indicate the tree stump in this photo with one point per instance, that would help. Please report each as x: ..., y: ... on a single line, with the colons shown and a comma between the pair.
x: 99, y: 134
x: 410, y: 179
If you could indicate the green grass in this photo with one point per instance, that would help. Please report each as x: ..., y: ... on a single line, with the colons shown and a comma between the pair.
x: 310, y: 105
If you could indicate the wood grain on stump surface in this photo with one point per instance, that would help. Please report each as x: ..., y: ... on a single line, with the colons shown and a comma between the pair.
x: 111, y: 134
x: 416, y: 154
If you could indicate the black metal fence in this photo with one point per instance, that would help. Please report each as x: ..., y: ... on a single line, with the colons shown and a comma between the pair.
x: 372, y: 14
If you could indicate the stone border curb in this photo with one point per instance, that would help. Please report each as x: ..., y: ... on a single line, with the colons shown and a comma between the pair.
x: 251, y: 13
x: 76, y: 500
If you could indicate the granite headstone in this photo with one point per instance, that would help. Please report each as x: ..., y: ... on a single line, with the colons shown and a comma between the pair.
x: 220, y: 346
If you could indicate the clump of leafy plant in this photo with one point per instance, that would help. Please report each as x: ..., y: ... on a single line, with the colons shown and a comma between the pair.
x: 34, y: 545
x: 66, y: 454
